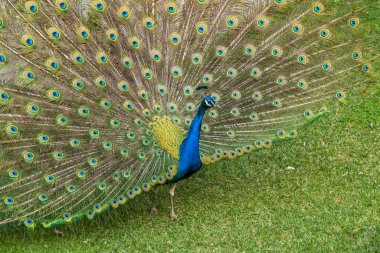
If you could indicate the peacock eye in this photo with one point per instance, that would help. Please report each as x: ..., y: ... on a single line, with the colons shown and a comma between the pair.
x: 208, y: 103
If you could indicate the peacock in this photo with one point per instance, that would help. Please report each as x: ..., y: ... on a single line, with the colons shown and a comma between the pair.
x: 104, y: 100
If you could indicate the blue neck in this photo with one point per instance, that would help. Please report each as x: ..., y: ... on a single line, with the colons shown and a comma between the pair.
x: 195, y: 127
x: 190, y: 161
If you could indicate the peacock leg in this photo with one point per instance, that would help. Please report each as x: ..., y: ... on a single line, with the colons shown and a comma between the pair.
x: 153, y: 210
x: 173, y: 216
x: 58, y: 233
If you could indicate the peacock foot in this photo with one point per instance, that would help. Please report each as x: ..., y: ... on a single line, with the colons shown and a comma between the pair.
x: 153, y: 211
x: 58, y: 233
x: 173, y: 216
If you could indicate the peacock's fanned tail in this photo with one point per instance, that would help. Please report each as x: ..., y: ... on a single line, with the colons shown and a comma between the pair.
x: 96, y: 95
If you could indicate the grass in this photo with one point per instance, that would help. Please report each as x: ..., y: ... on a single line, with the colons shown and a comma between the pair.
x: 318, y: 193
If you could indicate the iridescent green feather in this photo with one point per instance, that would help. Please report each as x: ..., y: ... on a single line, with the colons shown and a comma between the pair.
x: 89, y: 87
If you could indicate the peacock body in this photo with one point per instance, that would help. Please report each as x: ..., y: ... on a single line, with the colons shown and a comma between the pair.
x: 102, y: 100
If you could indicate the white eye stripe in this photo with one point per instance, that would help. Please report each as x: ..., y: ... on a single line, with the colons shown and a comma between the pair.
x: 208, y: 103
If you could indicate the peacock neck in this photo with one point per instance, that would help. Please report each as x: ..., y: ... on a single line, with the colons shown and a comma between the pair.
x: 190, y: 161
x: 195, y: 127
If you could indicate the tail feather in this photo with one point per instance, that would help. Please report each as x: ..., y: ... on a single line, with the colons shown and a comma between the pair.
x: 83, y: 83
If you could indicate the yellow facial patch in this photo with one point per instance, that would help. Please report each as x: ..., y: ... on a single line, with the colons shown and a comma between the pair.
x: 169, y: 136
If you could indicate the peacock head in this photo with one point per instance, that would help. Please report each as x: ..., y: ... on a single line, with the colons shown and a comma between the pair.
x: 209, y: 102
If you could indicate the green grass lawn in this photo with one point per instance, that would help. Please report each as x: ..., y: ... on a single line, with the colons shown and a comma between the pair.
x: 318, y: 193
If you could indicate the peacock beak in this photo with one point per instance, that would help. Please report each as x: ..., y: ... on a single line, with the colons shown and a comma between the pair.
x: 215, y: 104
